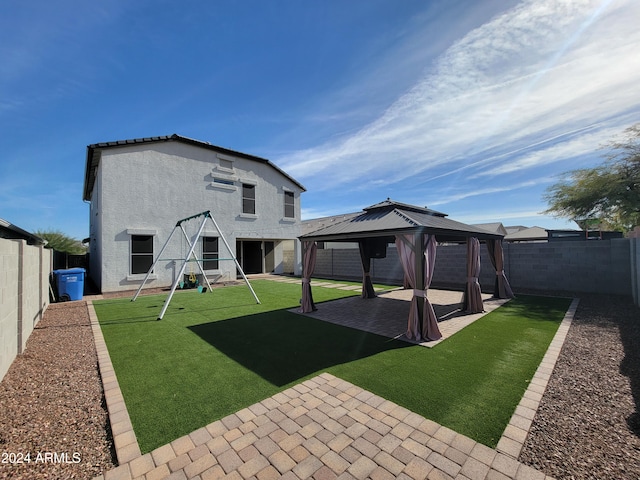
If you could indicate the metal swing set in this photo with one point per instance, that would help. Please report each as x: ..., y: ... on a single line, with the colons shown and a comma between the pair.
x: 192, y: 246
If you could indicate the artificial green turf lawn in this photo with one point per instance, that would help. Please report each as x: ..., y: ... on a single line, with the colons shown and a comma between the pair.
x: 216, y: 353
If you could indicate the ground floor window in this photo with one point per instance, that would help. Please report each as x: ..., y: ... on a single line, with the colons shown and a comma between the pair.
x: 141, y: 253
x: 210, y: 253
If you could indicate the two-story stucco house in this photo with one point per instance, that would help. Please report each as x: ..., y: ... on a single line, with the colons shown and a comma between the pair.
x: 138, y: 189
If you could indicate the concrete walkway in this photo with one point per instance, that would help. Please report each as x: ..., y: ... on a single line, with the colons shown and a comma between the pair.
x: 324, y: 428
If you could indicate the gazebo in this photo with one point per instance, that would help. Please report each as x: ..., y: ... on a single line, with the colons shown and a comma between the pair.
x: 415, y: 232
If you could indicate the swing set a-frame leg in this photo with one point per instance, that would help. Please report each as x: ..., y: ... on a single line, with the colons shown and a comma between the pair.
x: 246, y: 280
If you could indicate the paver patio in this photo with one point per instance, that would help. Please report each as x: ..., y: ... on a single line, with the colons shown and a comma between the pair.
x: 387, y: 314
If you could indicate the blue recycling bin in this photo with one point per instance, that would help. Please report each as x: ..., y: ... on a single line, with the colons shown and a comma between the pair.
x: 70, y: 283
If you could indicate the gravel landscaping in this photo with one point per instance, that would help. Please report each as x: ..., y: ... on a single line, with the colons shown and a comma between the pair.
x: 587, y: 427
x: 53, y: 423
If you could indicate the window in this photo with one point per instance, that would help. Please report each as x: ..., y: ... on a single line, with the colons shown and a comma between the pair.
x: 222, y: 181
x: 210, y: 253
x: 141, y: 253
x: 248, y: 198
x: 289, y: 205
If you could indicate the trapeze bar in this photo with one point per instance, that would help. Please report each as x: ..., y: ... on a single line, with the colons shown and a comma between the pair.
x: 206, y: 214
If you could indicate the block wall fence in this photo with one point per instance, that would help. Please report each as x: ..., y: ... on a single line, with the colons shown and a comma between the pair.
x: 603, y: 266
x: 24, y: 295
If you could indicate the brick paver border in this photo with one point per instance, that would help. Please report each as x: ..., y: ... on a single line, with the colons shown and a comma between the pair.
x: 124, y: 438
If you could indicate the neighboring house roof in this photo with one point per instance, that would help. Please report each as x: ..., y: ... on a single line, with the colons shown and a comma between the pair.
x: 314, y: 224
x: 10, y: 231
x: 93, y: 156
x: 495, y: 227
x: 389, y: 218
x: 514, y: 229
x: 527, y: 235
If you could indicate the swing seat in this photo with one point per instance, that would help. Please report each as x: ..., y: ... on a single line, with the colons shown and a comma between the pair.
x: 189, y: 281
x: 202, y: 289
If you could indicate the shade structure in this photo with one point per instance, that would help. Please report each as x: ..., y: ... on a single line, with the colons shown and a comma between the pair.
x: 417, y: 254
x: 472, y: 293
x: 389, y: 220
x: 308, y: 265
x: 502, y: 288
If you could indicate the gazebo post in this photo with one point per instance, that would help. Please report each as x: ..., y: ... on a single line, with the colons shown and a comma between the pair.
x: 308, y: 264
x: 418, y: 252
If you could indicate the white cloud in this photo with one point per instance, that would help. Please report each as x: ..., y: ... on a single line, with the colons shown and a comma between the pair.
x: 546, y: 152
x: 454, y: 197
x: 530, y: 74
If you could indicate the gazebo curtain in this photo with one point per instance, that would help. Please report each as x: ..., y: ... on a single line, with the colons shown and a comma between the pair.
x: 367, y: 285
x: 502, y: 289
x: 472, y: 295
x: 417, y: 254
x: 308, y: 265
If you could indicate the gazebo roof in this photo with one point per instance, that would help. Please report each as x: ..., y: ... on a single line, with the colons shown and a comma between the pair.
x: 390, y: 218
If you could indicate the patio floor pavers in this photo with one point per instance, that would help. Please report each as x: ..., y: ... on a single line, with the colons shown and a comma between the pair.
x: 326, y: 427
x: 387, y: 313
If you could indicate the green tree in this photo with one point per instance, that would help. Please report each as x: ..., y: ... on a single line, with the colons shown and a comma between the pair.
x: 608, y: 194
x: 62, y: 243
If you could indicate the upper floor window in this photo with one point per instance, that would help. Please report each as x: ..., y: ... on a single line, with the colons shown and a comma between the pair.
x: 248, y: 198
x: 210, y: 253
x: 289, y: 205
x: 223, y: 181
x: 141, y: 253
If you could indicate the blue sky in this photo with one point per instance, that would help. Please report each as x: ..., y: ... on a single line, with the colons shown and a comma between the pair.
x: 470, y: 107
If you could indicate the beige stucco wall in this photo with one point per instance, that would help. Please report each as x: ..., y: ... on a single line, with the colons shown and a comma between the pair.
x: 24, y: 295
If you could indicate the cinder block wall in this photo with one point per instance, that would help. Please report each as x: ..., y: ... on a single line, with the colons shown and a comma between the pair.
x: 602, y: 266
x: 24, y: 295
x: 9, y: 271
x: 450, y: 270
